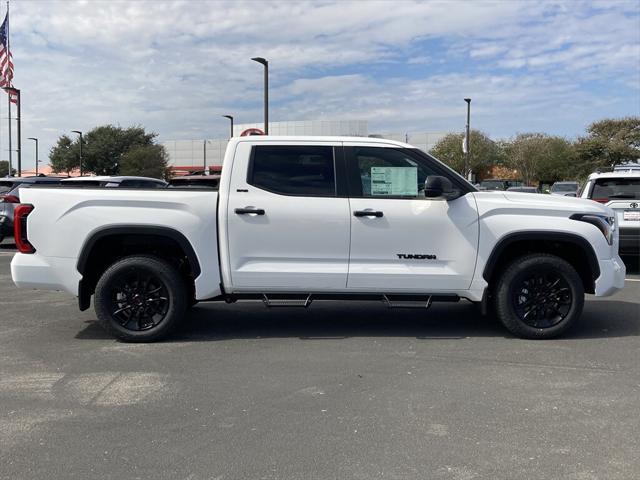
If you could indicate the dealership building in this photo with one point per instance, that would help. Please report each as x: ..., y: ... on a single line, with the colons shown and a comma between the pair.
x: 190, y: 155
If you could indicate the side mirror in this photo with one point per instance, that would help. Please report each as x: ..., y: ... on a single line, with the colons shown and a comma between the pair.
x: 572, y: 194
x: 436, y: 186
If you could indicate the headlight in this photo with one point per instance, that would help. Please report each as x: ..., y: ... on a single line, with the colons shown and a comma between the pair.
x: 605, y: 223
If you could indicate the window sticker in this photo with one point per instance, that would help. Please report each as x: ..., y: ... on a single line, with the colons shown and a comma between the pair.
x: 402, y: 181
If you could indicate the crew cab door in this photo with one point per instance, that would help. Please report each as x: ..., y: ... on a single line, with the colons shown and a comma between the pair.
x: 287, y: 228
x: 400, y: 240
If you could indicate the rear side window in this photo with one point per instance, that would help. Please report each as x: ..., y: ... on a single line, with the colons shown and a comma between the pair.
x: 616, y: 188
x: 293, y: 170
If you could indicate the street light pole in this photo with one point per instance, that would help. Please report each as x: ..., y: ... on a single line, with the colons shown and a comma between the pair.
x: 265, y: 63
x: 79, y: 133
x: 204, y: 146
x: 230, y: 117
x: 467, y: 172
x: 37, y: 161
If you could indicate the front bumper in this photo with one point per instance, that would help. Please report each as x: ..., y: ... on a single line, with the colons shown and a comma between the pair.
x: 611, y: 279
x: 629, y: 241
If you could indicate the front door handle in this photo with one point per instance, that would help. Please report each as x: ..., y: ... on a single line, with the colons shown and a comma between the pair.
x: 368, y: 213
x: 248, y: 210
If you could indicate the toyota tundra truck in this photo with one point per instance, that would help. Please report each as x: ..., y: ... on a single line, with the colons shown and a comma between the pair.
x: 303, y: 219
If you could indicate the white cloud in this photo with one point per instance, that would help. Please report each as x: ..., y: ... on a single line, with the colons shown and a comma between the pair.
x: 176, y: 66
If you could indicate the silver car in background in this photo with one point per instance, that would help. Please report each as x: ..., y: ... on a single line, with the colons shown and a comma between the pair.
x: 565, y: 189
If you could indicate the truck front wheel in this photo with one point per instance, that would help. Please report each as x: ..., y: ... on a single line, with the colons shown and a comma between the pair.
x: 140, y: 299
x: 539, y: 296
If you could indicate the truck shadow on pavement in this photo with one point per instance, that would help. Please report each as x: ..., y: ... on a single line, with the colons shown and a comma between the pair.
x: 341, y: 320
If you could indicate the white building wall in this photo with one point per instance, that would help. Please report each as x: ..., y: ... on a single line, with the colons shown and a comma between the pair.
x: 355, y: 128
x: 190, y: 153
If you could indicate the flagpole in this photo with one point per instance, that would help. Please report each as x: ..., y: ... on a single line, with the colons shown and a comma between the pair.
x: 9, y: 95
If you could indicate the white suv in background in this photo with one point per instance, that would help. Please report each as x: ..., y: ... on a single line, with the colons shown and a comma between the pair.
x: 619, y: 190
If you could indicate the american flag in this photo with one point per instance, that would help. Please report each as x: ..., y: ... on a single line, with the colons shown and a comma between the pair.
x: 6, y: 60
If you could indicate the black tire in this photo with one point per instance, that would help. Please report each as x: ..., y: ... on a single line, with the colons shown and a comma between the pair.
x: 539, y: 296
x: 140, y: 299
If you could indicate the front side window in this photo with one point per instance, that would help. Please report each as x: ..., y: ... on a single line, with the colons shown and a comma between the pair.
x: 293, y: 170
x: 388, y: 172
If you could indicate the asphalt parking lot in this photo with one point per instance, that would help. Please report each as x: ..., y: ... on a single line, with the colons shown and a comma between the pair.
x: 339, y: 391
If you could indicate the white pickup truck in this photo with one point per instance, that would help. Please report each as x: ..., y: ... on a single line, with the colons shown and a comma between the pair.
x: 301, y: 219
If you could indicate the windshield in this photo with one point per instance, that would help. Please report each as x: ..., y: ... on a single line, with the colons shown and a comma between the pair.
x: 499, y: 184
x: 606, y: 188
x: 564, y: 187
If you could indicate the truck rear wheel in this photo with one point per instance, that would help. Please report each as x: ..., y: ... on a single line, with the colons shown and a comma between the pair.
x: 140, y: 299
x: 539, y: 296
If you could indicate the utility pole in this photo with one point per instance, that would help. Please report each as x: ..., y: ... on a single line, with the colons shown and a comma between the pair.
x: 204, y: 146
x: 265, y: 63
x: 467, y: 141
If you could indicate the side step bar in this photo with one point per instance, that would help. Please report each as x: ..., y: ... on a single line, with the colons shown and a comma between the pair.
x: 273, y: 300
x: 407, y: 301
x: 286, y: 302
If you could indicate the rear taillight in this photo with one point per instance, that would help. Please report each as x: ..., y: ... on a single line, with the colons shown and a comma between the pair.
x: 20, y: 215
x: 9, y: 199
x: 601, y: 200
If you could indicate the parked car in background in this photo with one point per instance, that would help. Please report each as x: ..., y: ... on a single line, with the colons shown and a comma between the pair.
x: 111, y: 182
x: 523, y: 189
x: 498, y: 184
x: 10, y: 196
x: 627, y: 167
x: 195, y: 181
x: 619, y: 190
x: 565, y: 189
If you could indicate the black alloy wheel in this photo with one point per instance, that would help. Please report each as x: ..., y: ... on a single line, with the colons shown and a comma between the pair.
x: 542, y: 298
x: 140, y: 298
x: 539, y: 296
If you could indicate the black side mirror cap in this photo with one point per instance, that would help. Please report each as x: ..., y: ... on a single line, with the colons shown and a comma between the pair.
x: 436, y: 186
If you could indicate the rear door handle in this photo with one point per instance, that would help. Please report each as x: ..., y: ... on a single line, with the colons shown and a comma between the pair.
x: 368, y: 213
x: 248, y: 210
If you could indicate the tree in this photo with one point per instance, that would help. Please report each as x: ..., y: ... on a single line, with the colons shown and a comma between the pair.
x: 107, y: 144
x: 64, y: 156
x: 145, y: 161
x: 103, y: 149
x: 538, y: 156
x: 609, y: 142
x: 484, y: 152
x: 4, y: 168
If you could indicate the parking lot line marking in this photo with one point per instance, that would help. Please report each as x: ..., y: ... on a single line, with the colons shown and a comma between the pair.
x: 632, y: 279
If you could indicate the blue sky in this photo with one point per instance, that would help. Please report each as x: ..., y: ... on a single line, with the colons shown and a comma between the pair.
x: 176, y: 66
